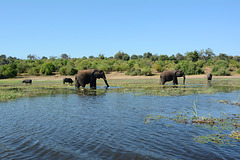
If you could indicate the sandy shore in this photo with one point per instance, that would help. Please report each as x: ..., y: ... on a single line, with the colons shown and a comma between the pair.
x: 114, y: 76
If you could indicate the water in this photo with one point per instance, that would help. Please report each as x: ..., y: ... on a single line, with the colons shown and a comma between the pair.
x: 109, y: 126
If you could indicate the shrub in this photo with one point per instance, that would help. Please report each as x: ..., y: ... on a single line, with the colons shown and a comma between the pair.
x: 147, y: 71
x: 238, y: 71
x: 158, y: 67
x: 62, y: 70
x: 133, y: 72
x: 47, y: 68
x: 222, y: 72
x: 34, y: 71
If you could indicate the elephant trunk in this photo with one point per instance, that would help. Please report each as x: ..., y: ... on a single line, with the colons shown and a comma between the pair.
x: 184, y: 79
x: 105, y: 80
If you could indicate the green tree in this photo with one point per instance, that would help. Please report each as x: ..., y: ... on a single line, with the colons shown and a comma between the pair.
x: 147, y: 55
x: 47, y: 68
x: 192, y: 56
x: 64, y: 56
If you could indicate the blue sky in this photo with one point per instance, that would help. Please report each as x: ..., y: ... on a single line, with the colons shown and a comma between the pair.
x: 93, y: 27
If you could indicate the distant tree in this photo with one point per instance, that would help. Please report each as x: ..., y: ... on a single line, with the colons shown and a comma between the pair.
x: 172, y: 58
x: 147, y: 55
x: 101, y: 56
x: 31, y: 57
x: 236, y: 58
x: 122, y: 56
x: 3, y: 56
x: 222, y: 56
x: 163, y: 57
x: 134, y: 56
x: 192, y: 56
x: 126, y: 57
x: 3, y: 60
x: 52, y: 57
x: 154, y: 57
x: 91, y: 57
x: 64, y: 56
x: 206, y: 54
x: 179, y: 57
x: 44, y: 57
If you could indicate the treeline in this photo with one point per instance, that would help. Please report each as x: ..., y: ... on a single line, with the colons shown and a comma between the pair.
x: 192, y: 63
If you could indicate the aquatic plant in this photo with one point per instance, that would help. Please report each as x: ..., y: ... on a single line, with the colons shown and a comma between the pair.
x: 194, y: 109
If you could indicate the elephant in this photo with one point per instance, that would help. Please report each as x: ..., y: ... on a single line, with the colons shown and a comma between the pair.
x: 209, y: 76
x: 27, y: 81
x: 84, y: 77
x: 172, y: 75
x: 69, y: 80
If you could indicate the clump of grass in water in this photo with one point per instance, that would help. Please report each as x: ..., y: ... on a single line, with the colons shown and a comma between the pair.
x: 229, y: 102
x: 224, y: 123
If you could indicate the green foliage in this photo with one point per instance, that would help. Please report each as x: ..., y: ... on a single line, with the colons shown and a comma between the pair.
x: 47, y: 68
x: 122, y: 56
x: 147, y: 71
x: 238, y: 71
x: 8, y: 71
x: 193, y: 62
x: 158, y: 67
x: 221, y: 68
x: 222, y: 72
x: 134, y: 72
x: 35, y: 71
x: 189, y: 67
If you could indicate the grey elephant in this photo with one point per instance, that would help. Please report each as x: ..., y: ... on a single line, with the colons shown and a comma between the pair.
x: 84, y: 77
x: 172, y: 76
x: 209, y: 76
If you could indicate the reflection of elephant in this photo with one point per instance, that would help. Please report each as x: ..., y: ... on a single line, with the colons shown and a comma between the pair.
x: 172, y: 75
x: 27, y: 81
x: 209, y: 76
x: 69, y: 80
x: 84, y: 77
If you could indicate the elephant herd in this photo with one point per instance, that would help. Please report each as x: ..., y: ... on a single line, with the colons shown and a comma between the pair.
x: 84, y: 77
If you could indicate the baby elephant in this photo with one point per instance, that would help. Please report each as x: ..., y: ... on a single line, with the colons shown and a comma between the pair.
x: 69, y: 80
x: 27, y: 81
x: 209, y: 76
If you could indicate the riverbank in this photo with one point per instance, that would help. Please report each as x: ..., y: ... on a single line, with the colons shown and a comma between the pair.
x: 112, y: 76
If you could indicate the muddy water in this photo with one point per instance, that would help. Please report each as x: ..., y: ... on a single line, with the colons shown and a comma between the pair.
x: 110, y: 126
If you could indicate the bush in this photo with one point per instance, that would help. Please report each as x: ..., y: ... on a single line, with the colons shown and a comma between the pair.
x: 147, y: 71
x: 47, y: 68
x: 238, y: 71
x: 34, y: 71
x: 133, y: 72
x: 222, y: 72
x: 158, y: 67
x: 62, y: 70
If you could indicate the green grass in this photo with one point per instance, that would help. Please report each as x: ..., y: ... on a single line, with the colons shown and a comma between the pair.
x: 11, y: 89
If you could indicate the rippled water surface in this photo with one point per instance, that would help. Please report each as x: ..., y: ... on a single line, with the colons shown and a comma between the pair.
x: 110, y: 126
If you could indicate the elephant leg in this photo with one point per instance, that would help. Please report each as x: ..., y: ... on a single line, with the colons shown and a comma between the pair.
x: 77, y: 85
x: 93, y: 84
x: 162, y: 81
x: 175, y: 81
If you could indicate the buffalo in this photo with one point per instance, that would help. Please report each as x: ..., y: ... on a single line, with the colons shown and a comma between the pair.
x: 69, y: 80
x: 27, y: 81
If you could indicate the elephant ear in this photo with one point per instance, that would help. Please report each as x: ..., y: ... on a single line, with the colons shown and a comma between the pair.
x: 175, y: 72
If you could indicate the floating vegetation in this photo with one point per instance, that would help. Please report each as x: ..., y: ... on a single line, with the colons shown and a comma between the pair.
x: 224, y: 123
x: 229, y: 102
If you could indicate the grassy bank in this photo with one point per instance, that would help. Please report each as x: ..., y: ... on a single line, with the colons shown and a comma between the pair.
x: 11, y: 89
